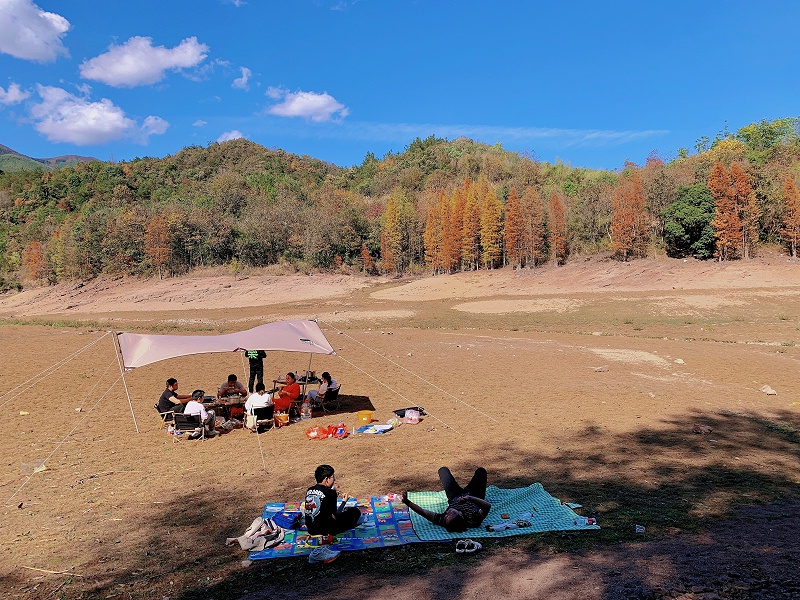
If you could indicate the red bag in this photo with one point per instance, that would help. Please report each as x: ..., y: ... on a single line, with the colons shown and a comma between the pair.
x: 317, y: 433
x: 338, y: 431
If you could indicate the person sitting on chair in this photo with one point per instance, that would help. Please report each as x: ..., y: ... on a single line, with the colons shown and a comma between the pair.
x: 466, y: 508
x: 170, y: 400
x: 258, y: 399
x: 195, y: 407
x: 231, y: 388
x: 287, y: 395
x: 317, y: 397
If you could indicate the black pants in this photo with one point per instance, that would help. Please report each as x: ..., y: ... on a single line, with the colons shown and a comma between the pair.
x: 253, y: 374
x: 345, y: 520
x: 476, y: 487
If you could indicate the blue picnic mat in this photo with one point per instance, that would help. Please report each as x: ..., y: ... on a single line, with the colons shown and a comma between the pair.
x: 547, y: 513
x: 385, y: 524
x: 392, y: 524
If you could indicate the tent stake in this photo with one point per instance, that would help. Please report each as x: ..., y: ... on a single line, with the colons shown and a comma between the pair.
x: 124, y: 382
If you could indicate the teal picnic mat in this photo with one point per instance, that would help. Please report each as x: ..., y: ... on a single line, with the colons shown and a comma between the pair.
x: 385, y: 524
x: 547, y: 513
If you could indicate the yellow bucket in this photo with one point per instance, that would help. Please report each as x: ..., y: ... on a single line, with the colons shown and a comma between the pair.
x: 364, y: 417
x: 281, y: 419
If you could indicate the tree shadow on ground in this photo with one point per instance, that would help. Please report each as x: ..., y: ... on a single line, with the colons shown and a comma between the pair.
x: 710, y: 504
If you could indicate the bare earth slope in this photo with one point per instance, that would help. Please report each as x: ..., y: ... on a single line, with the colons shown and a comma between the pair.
x: 593, y: 378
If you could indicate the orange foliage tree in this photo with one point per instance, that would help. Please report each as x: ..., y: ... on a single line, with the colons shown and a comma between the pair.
x: 491, y: 229
x: 366, y: 259
x: 629, y: 219
x: 791, y: 215
x: 557, y: 226
x: 470, y: 231
x: 432, y: 237
x: 746, y: 203
x: 513, y: 230
x: 33, y: 258
x: 726, y: 223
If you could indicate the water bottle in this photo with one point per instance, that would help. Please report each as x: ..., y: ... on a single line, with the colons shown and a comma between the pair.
x: 306, y: 410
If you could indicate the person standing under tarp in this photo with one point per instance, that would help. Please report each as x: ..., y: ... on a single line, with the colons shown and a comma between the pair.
x: 256, y: 360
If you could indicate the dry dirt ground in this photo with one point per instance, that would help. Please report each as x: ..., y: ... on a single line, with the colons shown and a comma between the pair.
x: 591, y: 378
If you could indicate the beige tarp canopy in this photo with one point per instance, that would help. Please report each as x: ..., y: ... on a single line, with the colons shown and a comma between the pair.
x: 290, y: 336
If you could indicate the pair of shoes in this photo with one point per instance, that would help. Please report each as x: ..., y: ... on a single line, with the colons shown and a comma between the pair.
x: 323, y: 554
x: 467, y: 546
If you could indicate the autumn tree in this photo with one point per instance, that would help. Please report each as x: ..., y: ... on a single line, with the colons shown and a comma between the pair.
x: 726, y: 223
x: 557, y: 228
x: 534, y: 231
x: 33, y: 259
x: 452, y: 227
x: 391, y: 237
x: 629, y: 219
x: 158, y: 243
x: 791, y: 215
x: 470, y: 231
x: 745, y: 201
x: 513, y: 230
x: 432, y: 238
x: 366, y: 259
x: 491, y: 229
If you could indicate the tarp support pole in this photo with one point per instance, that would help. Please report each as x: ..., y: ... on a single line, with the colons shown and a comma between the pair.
x: 124, y: 383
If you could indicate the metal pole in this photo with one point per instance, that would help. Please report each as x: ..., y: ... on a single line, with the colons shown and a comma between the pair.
x: 124, y: 382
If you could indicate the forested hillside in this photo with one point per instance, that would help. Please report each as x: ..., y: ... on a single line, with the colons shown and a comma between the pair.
x: 439, y: 206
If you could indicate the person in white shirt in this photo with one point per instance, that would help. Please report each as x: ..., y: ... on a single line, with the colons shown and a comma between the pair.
x: 258, y: 399
x: 195, y: 407
x: 315, y: 397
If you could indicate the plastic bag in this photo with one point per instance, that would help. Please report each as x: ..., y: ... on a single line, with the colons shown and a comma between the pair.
x: 317, y: 433
x: 411, y: 416
x: 338, y: 431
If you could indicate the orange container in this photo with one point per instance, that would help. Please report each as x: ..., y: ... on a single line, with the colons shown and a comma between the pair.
x: 281, y: 419
x: 364, y: 417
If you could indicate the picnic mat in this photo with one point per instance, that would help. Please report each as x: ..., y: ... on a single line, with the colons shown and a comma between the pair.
x: 392, y: 524
x: 547, y: 513
x: 385, y: 524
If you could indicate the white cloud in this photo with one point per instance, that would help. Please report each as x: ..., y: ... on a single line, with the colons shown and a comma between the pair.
x: 199, y: 123
x: 230, y: 135
x: 154, y: 126
x: 241, y: 82
x: 26, y: 31
x: 490, y: 134
x: 63, y: 117
x: 138, y: 62
x: 308, y: 105
x: 14, y: 95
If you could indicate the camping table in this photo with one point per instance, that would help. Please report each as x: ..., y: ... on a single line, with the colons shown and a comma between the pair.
x: 224, y: 404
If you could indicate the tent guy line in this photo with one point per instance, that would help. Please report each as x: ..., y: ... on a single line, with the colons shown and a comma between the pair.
x: 407, y: 370
x: 52, y: 368
x: 396, y: 392
x: 71, y: 431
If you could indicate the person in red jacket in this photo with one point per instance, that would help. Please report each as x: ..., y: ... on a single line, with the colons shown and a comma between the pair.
x: 287, y: 395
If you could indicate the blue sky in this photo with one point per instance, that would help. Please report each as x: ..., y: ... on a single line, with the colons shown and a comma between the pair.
x: 592, y: 84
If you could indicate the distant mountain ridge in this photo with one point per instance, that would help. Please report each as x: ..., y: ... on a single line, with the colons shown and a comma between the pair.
x: 11, y: 160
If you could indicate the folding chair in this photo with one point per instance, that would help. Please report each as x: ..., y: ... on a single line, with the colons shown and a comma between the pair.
x: 166, y: 417
x: 264, y: 415
x: 331, y: 396
x: 193, y: 423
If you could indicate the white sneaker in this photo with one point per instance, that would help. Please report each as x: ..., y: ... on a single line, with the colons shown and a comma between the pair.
x: 323, y: 554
